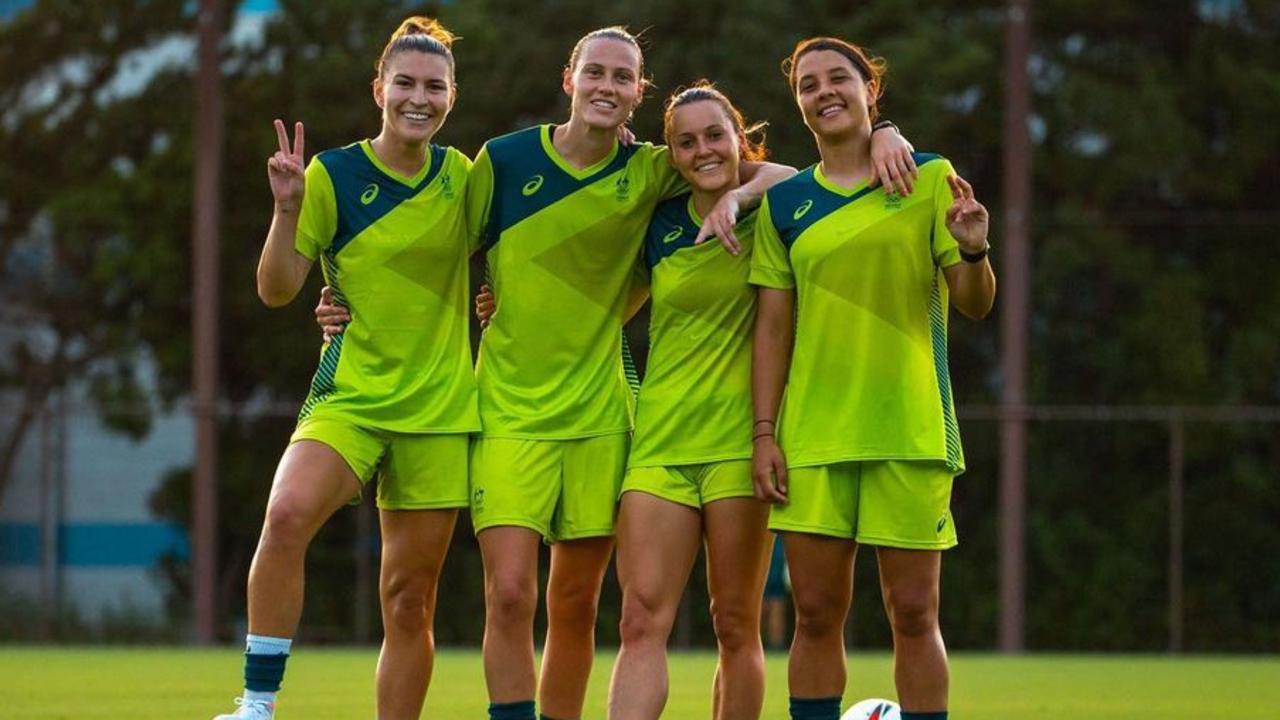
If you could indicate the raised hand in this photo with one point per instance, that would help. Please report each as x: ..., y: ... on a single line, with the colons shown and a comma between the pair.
x: 285, y: 169
x: 967, y: 219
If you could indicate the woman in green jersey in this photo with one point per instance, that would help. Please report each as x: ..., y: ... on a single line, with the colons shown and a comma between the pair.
x: 852, y: 322
x: 395, y: 395
x: 689, y: 472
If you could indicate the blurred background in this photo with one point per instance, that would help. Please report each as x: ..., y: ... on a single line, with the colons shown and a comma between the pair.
x: 1120, y: 409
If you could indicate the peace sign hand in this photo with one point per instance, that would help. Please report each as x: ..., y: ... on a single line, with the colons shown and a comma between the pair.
x: 967, y: 219
x: 285, y: 170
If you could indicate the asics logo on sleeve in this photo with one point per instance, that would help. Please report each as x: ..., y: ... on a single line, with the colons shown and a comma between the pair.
x: 673, y: 235
x: 800, y: 211
x: 533, y: 186
x: 370, y: 193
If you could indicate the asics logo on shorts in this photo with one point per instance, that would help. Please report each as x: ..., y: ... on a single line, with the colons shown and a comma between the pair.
x: 800, y: 211
x: 942, y: 522
x: 533, y: 186
x: 370, y: 193
x: 673, y: 235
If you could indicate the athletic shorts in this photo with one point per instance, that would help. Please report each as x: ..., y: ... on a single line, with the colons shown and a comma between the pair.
x: 889, y: 503
x: 425, y: 471
x: 562, y: 489
x: 693, y: 485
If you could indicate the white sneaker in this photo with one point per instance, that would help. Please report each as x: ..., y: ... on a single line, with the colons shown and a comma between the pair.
x: 251, y: 710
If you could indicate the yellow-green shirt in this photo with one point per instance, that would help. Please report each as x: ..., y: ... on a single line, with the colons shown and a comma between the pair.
x: 561, y: 246
x: 869, y: 377
x: 394, y: 249
x: 695, y: 402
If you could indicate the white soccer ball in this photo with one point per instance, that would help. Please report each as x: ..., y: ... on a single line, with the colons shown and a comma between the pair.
x: 873, y: 709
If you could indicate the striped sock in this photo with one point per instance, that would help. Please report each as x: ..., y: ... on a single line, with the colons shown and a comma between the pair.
x: 924, y: 715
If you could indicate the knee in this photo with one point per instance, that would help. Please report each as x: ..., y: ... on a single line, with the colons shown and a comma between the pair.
x: 913, y: 612
x: 288, y: 524
x: 642, y: 620
x: 408, y: 602
x: 820, y: 614
x: 736, y: 627
x: 510, y: 601
x: 573, y: 604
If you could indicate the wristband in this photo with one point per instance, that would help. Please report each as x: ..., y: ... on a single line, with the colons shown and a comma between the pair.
x: 882, y: 124
x: 975, y: 257
x: 764, y: 421
x: 761, y: 435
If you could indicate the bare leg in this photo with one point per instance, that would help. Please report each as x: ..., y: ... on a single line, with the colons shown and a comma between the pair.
x: 657, y: 544
x: 312, y: 482
x: 414, y: 544
x: 738, y: 547
x: 573, y: 592
x: 510, y: 557
x: 822, y: 586
x: 909, y: 581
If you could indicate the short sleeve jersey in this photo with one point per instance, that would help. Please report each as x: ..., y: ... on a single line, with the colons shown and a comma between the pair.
x: 561, y: 245
x: 695, y: 401
x: 869, y: 377
x: 394, y: 250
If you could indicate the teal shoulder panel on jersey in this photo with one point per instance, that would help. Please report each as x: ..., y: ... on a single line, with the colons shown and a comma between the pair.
x: 526, y: 180
x: 798, y: 202
x: 364, y: 193
x: 673, y: 228
x: 669, y: 229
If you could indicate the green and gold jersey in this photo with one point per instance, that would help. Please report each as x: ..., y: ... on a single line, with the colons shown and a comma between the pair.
x: 869, y: 377
x: 695, y: 401
x: 394, y: 249
x: 561, y: 246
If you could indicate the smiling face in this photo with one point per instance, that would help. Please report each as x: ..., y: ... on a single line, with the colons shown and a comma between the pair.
x: 416, y: 93
x: 832, y: 95
x: 705, y: 147
x: 605, y: 83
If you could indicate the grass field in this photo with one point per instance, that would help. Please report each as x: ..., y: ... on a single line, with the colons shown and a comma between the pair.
x: 164, y: 684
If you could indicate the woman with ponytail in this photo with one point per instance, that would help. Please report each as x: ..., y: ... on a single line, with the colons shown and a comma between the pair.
x: 394, y: 396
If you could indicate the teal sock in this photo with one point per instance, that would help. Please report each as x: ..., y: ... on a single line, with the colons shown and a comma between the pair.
x: 522, y: 710
x: 264, y: 661
x: 815, y: 708
x: 924, y: 716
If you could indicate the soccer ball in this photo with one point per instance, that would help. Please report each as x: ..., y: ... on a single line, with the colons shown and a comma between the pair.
x: 874, y: 709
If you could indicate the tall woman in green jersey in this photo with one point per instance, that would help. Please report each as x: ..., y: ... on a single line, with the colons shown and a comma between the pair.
x: 852, y: 322
x: 689, y: 472
x: 560, y: 211
x: 395, y: 394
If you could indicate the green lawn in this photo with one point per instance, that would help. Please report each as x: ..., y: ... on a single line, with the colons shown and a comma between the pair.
x: 164, y: 684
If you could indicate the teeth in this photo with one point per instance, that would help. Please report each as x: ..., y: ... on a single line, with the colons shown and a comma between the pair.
x: 829, y: 110
x: 417, y: 116
x: 603, y: 104
x: 707, y: 167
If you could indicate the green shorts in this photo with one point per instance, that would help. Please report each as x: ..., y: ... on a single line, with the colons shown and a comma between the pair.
x: 899, y: 504
x: 693, y: 485
x: 563, y: 489
x: 415, y: 471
